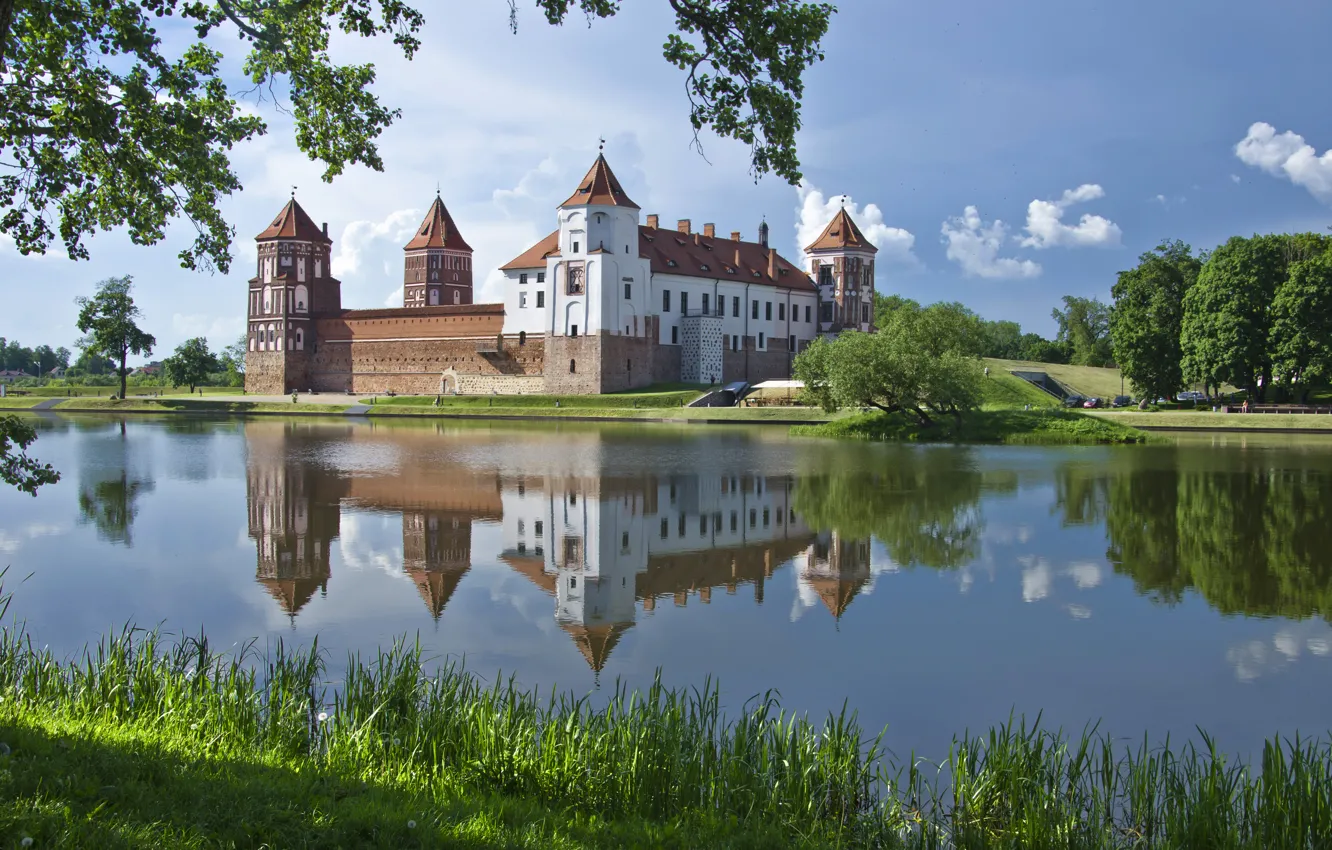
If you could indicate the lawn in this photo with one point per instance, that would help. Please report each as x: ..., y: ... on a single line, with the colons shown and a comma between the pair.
x: 193, y: 405
x: 1046, y: 426
x: 1208, y: 419
x: 1003, y: 391
x: 106, y: 392
x: 672, y: 395
x: 737, y: 414
x: 18, y: 402
x: 1084, y: 380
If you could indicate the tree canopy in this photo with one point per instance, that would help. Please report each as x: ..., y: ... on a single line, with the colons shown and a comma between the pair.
x: 922, y: 364
x: 191, y: 364
x: 16, y: 468
x: 1084, y: 328
x: 109, y: 319
x: 1147, y: 316
x: 104, y: 125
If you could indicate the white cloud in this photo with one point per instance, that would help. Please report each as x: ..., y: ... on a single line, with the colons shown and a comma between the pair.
x: 1078, y: 612
x: 361, y: 237
x: 1046, y: 228
x: 1084, y: 575
x: 1287, y: 155
x: 975, y: 247
x: 816, y: 210
x: 1036, y: 580
x: 1234, y: 178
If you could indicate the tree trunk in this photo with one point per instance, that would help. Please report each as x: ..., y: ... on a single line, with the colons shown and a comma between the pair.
x: 124, y: 375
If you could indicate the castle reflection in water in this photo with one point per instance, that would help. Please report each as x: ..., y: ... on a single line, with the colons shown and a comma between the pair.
x: 598, y: 542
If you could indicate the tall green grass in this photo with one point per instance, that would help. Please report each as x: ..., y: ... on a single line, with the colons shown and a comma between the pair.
x: 662, y: 753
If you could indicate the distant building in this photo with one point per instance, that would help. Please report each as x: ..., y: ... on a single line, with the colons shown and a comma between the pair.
x: 604, y: 303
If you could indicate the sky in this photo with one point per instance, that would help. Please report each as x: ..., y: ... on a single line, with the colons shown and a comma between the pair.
x: 1000, y: 155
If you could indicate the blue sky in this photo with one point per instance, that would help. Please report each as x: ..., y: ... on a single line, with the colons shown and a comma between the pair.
x: 1090, y: 131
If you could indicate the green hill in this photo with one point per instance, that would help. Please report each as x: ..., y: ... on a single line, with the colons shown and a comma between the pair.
x: 1003, y: 391
x: 1083, y: 380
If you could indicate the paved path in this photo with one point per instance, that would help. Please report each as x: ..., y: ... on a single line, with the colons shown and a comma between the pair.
x: 48, y: 404
x: 357, y: 410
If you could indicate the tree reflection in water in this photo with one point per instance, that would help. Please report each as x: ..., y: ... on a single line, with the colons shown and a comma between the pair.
x: 1250, y: 537
x: 109, y: 490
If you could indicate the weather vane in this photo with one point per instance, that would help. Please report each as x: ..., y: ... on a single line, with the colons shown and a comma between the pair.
x: 436, y: 187
x: 293, y: 191
x: 844, y: 202
x: 602, y: 143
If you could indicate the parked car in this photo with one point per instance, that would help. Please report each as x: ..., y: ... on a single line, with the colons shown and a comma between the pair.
x: 1121, y: 401
x: 1191, y: 395
x: 1092, y: 402
x: 1074, y: 401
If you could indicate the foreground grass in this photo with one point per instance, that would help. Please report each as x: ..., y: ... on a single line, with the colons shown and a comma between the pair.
x: 1048, y: 426
x: 143, y: 743
x: 730, y: 414
x: 1208, y: 419
x: 18, y: 402
x: 1000, y: 390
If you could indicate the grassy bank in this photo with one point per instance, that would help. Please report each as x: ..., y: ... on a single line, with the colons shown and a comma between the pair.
x: 17, y: 402
x: 669, y: 397
x: 140, y: 743
x: 1047, y: 426
x: 193, y: 405
x: 1208, y: 419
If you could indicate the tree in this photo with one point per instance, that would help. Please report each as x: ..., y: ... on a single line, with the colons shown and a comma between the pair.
x: 1147, y: 317
x: 1002, y: 339
x: 62, y: 357
x: 105, y: 126
x: 1041, y: 350
x: 16, y: 468
x: 1227, y: 329
x: 1084, y: 327
x: 108, y: 318
x: 907, y: 367
x: 92, y: 362
x: 1302, y: 326
x: 886, y: 305
x: 191, y: 364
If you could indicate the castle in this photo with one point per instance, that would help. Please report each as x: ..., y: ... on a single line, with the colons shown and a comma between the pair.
x: 604, y: 303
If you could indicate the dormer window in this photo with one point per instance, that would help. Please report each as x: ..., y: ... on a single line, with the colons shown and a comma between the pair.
x: 730, y: 270
x: 672, y: 263
x: 755, y: 273
x: 704, y: 267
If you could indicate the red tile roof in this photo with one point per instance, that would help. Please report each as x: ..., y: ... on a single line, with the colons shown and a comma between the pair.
x: 841, y: 234
x: 293, y: 223
x: 672, y: 252
x: 600, y: 186
x: 438, y: 231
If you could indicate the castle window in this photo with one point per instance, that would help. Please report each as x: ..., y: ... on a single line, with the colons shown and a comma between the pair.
x: 252, y: 342
x: 319, y: 268
x: 434, y: 297
x: 573, y: 366
x: 628, y: 288
x: 705, y: 303
x: 541, y: 277
x: 541, y: 299
x: 781, y: 312
x: 767, y: 312
x: 573, y: 331
x: 628, y: 365
x: 536, y: 528
x: 705, y: 267
x: 806, y: 312
x: 574, y: 279
x: 684, y: 303
x: 522, y: 300
x: 735, y: 306
x: 825, y: 276
x: 790, y: 343
x: 300, y: 268
x: 522, y: 278
x: 575, y: 247
x: 675, y: 335
x: 268, y: 299
x: 760, y: 345
x: 672, y: 263
x: 302, y: 294
x: 300, y: 340
x: 457, y: 297
x: 825, y: 312
x: 665, y: 301
x: 522, y: 337
x: 864, y: 316
x: 754, y: 311
x: 665, y: 528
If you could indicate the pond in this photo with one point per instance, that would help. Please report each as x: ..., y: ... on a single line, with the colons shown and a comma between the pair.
x: 933, y: 589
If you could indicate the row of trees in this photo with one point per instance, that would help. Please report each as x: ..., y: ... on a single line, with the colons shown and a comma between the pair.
x: 16, y: 357
x: 1255, y: 313
x: 1083, y: 338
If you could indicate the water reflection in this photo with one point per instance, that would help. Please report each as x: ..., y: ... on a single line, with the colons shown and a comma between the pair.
x: 1251, y: 532
x: 112, y: 479
x: 601, y: 544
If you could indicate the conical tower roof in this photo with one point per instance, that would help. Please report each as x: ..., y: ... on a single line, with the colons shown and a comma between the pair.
x: 437, y: 230
x: 841, y: 234
x: 293, y: 223
x: 596, y: 642
x: 291, y: 594
x: 436, y: 587
x: 600, y: 186
x: 835, y: 593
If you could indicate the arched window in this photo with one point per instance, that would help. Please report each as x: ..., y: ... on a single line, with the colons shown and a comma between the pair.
x: 522, y: 337
x: 434, y: 297
x: 268, y: 299
x: 271, y: 335
x: 302, y: 296
x: 300, y: 340
x: 457, y: 296
x: 573, y: 366
x: 252, y: 342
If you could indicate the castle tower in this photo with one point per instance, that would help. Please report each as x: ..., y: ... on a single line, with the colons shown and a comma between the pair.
x: 436, y: 554
x: 841, y: 261
x: 597, y: 254
x: 293, y: 287
x: 437, y: 268
x: 837, y: 568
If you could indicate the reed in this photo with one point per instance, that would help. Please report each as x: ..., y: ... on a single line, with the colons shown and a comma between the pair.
x: 661, y: 754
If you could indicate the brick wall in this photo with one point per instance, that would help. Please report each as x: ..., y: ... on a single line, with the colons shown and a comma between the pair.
x: 415, y: 367
x: 276, y: 372
x: 749, y: 364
